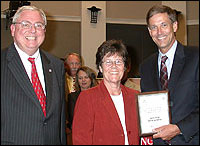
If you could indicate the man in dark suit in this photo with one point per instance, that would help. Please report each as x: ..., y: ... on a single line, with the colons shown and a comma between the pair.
x: 23, y: 120
x: 183, y: 78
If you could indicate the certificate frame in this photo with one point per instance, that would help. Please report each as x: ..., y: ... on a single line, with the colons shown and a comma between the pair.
x: 153, y: 111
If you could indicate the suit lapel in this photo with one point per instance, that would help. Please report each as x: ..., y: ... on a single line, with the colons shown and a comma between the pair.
x: 48, y: 73
x: 177, y: 67
x: 109, y: 105
x: 16, y: 66
x: 155, y: 72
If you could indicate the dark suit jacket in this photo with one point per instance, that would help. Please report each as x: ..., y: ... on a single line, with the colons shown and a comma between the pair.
x: 183, y: 91
x: 22, y: 119
x: 96, y: 120
x: 72, y: 97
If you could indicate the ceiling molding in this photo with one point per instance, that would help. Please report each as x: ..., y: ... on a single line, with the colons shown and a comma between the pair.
x: 108, y: 20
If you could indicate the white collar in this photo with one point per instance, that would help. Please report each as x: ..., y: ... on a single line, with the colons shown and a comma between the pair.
x: 26, y: 56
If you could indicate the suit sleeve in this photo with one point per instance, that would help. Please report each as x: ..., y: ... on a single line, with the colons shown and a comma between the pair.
x: 63, y: 106
x: 189, y: 126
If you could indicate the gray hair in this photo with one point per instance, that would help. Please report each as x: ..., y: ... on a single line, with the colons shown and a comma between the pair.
x: 75, y: 54
x: 33, y: 8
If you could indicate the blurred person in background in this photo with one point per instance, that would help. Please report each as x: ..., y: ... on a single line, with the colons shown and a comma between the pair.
x: 73, y: 62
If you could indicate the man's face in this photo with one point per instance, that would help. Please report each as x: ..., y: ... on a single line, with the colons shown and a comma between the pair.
x: 162, y: 31
x: 28, y: 39
x: 73, y: 64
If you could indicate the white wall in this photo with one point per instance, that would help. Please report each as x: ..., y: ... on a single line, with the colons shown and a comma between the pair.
x: 92, y: 34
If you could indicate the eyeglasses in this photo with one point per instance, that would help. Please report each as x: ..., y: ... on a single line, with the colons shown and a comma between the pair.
x: 28, y: 25
x: 110, y: 63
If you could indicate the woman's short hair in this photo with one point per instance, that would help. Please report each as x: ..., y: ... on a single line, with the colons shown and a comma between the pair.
x: 111, y: 47
x: 90, y: 73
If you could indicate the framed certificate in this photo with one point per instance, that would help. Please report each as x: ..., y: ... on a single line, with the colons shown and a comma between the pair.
x: 153, y: 111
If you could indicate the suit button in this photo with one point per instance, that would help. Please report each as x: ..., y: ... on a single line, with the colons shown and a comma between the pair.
x: 129, y: 132
x: 171, y: 103
x: 45, y: 123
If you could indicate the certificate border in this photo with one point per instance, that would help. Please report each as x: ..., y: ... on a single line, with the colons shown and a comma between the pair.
x: 137, y: 104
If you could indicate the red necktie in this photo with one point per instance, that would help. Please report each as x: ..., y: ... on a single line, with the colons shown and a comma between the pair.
x: 163, y: 73
x: 37, y: 86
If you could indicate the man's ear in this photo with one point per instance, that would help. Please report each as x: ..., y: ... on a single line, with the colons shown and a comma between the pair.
x: 100, y: 69
x: 175, y: 26
x: 149, y: 30
x: 12, y: 29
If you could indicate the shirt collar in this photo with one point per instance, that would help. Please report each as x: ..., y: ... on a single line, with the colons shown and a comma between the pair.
x: 171, y: 52
x: 24, y: 55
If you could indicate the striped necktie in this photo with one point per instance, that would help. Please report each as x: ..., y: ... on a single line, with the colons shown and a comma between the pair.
x: 163, y: 73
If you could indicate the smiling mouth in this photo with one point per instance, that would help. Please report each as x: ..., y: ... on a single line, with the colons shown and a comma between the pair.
x: 161, y: 38
x: 30, y: 38
x: 113, y: 73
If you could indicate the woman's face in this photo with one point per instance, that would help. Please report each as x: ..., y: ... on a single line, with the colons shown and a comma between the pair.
x: 83, y: 80
x: 112, y: 69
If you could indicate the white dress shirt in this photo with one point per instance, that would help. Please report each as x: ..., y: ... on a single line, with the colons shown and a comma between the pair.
x: 169, y: 61
x: 119, y: 105
x: 28, y: 66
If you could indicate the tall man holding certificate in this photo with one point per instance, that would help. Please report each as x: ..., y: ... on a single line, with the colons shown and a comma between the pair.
x: 181, y: 78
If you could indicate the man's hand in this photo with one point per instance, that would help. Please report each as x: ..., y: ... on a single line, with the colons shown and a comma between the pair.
x: 166, y: 132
